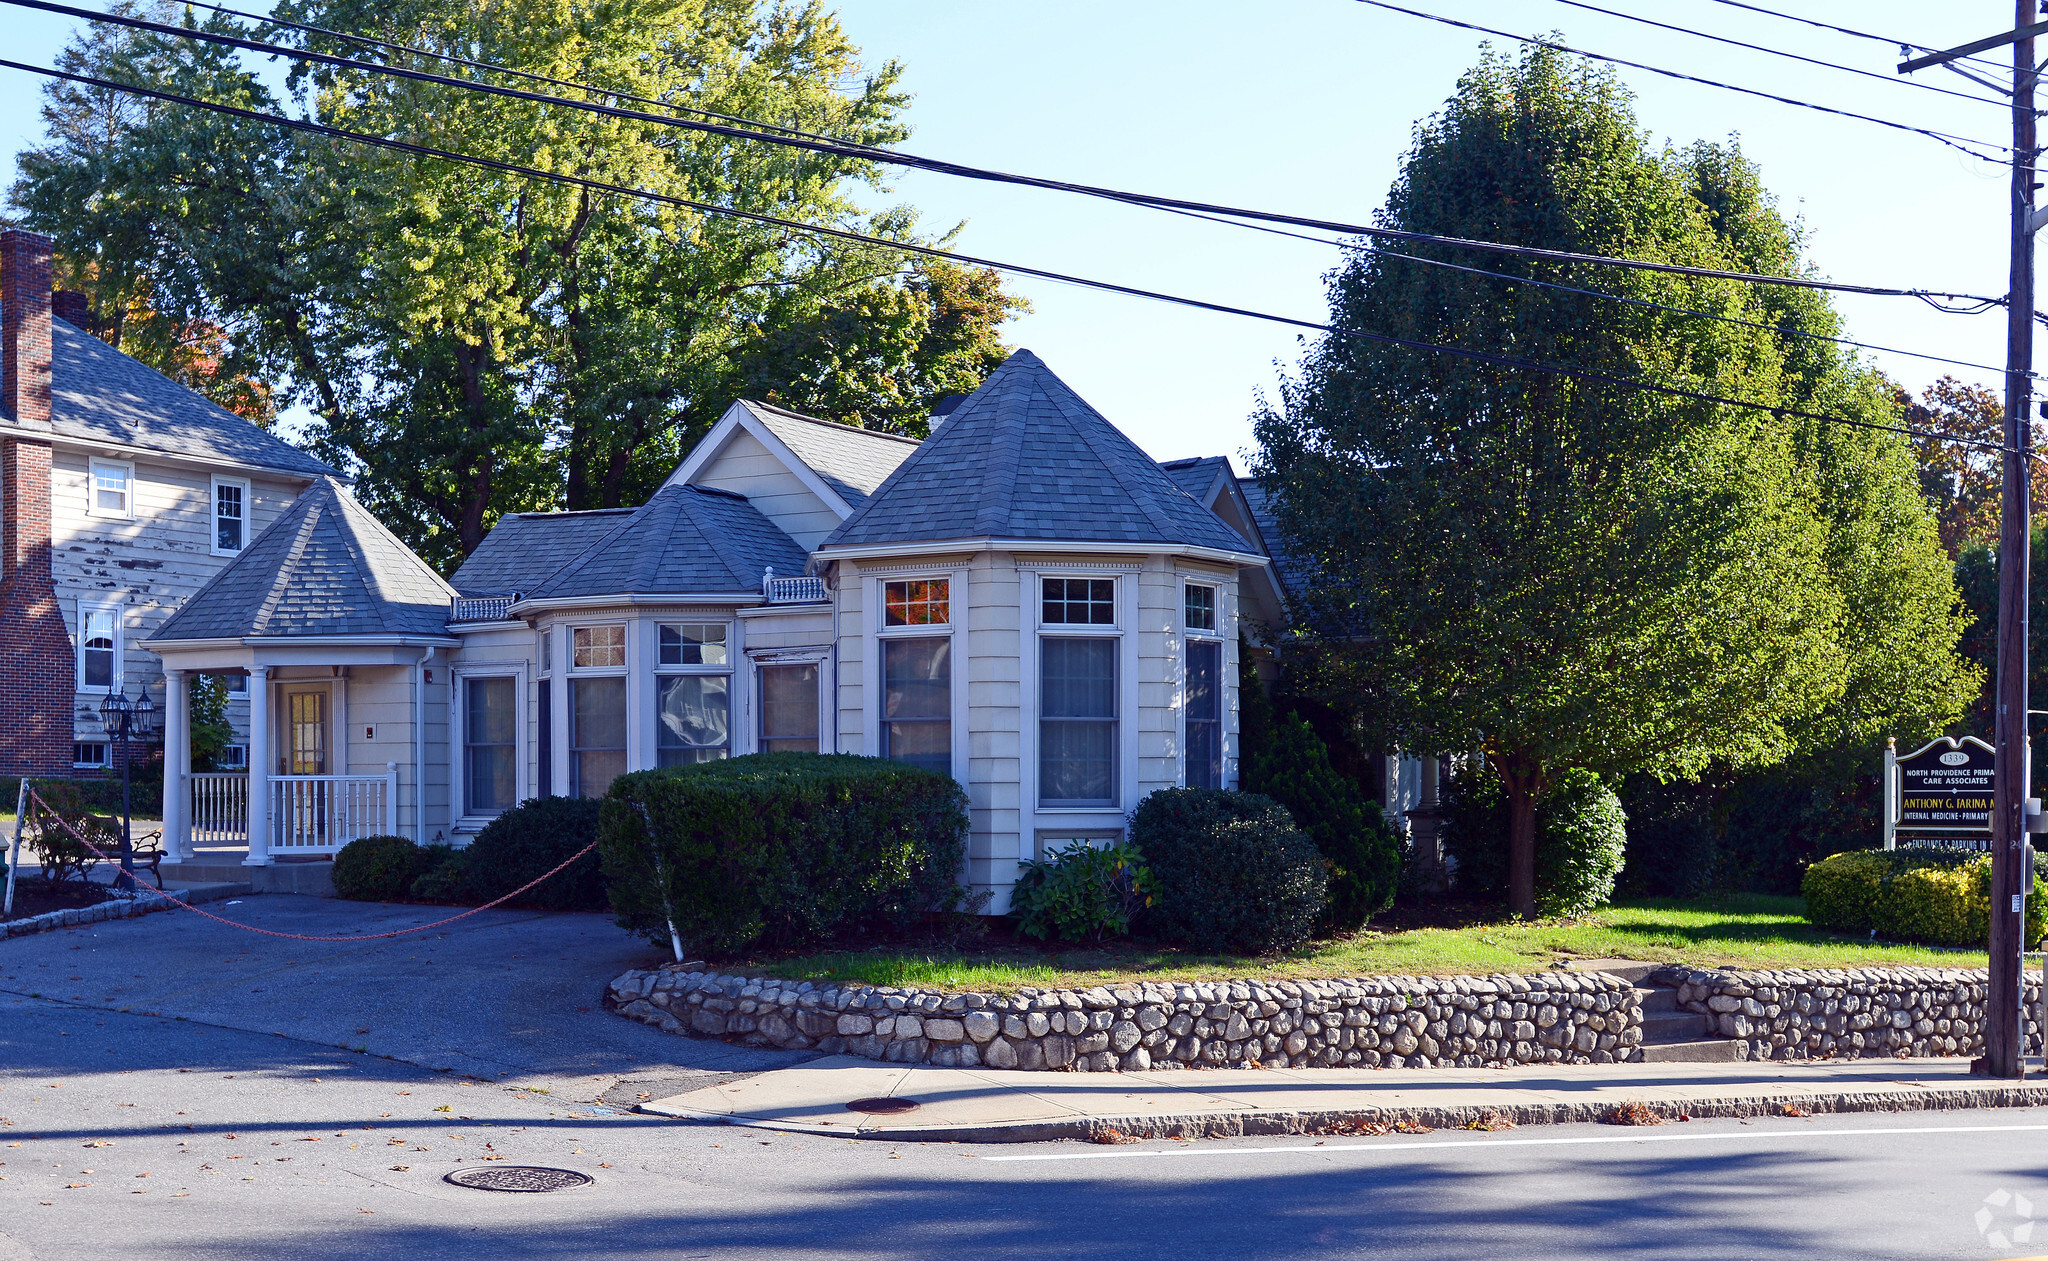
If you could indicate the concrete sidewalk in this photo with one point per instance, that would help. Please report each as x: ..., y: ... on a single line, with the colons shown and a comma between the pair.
x: 993, y: 1106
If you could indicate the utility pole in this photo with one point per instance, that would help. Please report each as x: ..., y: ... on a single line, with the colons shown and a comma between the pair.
x: 2004, y: 1048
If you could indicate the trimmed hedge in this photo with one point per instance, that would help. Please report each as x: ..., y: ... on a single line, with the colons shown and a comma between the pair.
x: 524, y: 843
x: 1938, y: 896
x: 1233, y: 872
x: 781, y: 849
x: 381, y: 868
x: 1581, y: 839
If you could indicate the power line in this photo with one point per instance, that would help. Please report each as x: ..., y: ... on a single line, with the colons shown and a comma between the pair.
x: 927, y: 251
x: 942, y: 167
x: 1779, y: 52
x: 1852, y: 31
x: 531, y: 77
x: 1961, y: 143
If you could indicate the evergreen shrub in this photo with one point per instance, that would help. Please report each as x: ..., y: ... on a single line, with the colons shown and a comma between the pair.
x: 1938, y: 896
x: 527, y: 841
x: 1581, y: 839
x: 1232, y: 871
x: 1082, y: 892
x: 781, y: 849
x: 1360, y: 851
x: 379, y: 868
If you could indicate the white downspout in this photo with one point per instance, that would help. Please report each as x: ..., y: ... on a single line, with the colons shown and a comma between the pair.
x: 419, y: 749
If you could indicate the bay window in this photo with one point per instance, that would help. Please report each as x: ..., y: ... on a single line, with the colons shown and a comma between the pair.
x: 597, y: 709
x: 917, y: 674
x: 1204, y: 701
x: 1078, y: 728
x: 692, y: 694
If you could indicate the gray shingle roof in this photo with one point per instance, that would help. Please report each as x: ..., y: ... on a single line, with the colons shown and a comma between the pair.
x: 1197, y: 477
x: 99, y: 394
x: 1025, y: 458
x: 525, y: 548
x: 687, y: 540
x: 1290, y: 569
x: 853, y: 462
x: 324, y: 567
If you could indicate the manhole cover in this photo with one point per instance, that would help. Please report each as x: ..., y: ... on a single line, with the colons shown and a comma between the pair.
x: 518, y: 1178
x: 882, y: 1107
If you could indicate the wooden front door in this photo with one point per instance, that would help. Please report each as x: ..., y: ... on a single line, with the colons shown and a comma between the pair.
x: 305, y: 744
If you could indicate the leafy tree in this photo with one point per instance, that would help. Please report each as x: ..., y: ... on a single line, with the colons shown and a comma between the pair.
x: 1359, y: 849
x: 472, y: 342
x: 1568, y: 572
x: 207, y: 719
x: 1961, y: 480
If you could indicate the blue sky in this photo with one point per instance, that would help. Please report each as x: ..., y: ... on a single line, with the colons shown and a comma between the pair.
x: 1306, y: 106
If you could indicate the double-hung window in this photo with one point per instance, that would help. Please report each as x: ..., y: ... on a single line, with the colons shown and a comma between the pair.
x: 917, y: 673
x: 1077, y: 692
x: 692, y: 694
x: 1204, y: 714
x: 597, y: 709
x: 544, y: 718
x: 490, y: 744
x: 99, y: 647
x: 111, y: 489
x: 230, y: 515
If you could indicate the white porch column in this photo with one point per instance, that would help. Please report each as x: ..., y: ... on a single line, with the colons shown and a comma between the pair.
x: 177, y: 765
x: 259, y: 767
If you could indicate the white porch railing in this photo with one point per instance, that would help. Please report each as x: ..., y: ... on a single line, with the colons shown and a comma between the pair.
x: 220, y: 808
x: 318, y: 814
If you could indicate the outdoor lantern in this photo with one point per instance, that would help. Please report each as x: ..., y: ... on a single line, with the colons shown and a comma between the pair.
x: 126, y: 720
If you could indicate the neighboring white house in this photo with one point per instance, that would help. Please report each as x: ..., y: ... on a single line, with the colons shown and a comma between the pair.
x: 122, y: 492
x: 1024, y: 601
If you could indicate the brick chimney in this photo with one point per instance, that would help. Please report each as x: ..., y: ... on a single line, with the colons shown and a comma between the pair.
x: 72, y: 307
x: 36, y: 675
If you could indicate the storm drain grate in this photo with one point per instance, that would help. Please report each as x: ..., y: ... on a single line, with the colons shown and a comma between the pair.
x: 518, y: 1178
x: 882, y: 1107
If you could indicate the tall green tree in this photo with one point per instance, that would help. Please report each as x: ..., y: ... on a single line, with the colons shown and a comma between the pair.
x: 471, y: 342
x: 1566, y: 571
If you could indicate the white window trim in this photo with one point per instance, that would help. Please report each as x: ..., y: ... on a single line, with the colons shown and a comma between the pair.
x: 875, y: 632
x: 92, y: 494
x: 87, y: 607
x: 569, y: 634
x: 467, y: 820
x: 213, y: 513
x: 1224, y: 613
x: 1062, y: 819
x: 1216, y: 604
x: 240, y: 765
x: 106, y: 755
x: 819, y: 657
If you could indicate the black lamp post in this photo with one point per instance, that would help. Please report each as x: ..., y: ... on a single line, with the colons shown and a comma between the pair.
x: 124, y: 719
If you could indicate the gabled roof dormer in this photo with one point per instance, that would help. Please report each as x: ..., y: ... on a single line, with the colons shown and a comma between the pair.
x: 804, y: 474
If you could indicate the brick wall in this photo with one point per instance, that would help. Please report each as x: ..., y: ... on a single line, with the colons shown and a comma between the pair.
x: 36, y: 673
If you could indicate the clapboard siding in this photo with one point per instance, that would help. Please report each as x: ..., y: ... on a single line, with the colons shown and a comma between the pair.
x: 148, y: 564
x: 994, y: 722
x: 747, y: 468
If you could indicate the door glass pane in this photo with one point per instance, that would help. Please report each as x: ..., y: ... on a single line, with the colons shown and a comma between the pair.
x: 1205, y: 714
x: 597, y: 735
x: 917, y: 702
x: 491, y: 771
x: 789, y: 709
x: 306, y: 741
x: 692, y: 719
x: 1077, y: 720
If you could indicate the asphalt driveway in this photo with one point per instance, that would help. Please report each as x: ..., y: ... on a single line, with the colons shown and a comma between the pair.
x: 509, y: 996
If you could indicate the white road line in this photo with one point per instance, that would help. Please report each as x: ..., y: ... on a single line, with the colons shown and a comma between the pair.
x: 1397, y: 1147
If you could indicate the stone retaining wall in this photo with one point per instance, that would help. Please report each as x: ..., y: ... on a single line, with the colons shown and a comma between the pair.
x: 1843, y: 1014
x: 1392, y: 1022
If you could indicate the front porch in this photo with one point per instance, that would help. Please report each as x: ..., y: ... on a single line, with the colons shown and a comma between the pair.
x: 302, y: 817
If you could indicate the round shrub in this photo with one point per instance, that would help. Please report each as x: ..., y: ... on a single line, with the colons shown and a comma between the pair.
x: 1360, y: 851
x: 781, y: 849
x: 379, y: 869
x: 1232, y: 871
x: 1581, y: 838
x: 525, y: 842
x: 1842, y: 890
x: 1082, y: 892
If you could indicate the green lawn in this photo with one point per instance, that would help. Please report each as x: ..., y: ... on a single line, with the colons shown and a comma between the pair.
x: 1750, y: 930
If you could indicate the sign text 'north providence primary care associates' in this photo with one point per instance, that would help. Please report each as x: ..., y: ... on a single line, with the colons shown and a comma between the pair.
x: 1947, y: 786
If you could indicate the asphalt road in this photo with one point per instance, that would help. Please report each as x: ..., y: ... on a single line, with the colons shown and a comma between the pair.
x: 212, y: 1136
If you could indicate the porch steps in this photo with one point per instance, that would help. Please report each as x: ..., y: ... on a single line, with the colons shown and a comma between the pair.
x: 313, y: 878
x: 1670, y: 1036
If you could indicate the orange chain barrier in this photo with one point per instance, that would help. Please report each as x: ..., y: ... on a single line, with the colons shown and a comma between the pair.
x: 61, y: 822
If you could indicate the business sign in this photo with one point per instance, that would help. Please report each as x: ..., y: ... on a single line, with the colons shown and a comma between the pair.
x: 1947, y: 786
